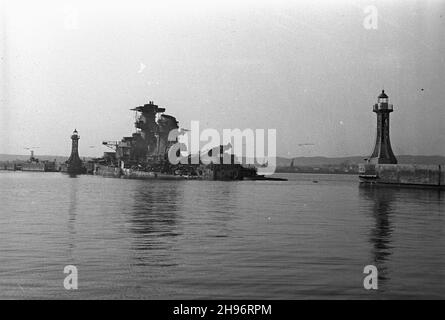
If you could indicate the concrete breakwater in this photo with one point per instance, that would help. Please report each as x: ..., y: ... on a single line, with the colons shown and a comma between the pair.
x: 403, y: 174
x: 10, y: 166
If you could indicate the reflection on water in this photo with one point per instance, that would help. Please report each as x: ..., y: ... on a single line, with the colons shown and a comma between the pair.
x: 154, y: 211
x: 221, y: 210
x: 383, y: 203
x: 153, y: 220
x: 211, y: 239
x: 72, y: 208
x: 380, y: 236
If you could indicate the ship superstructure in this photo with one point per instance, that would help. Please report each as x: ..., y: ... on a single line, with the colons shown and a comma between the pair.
x: 144, y: 154
x: 34, y: 164
x: 148, y: 146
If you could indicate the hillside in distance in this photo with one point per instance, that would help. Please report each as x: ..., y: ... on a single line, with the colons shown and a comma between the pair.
x: 324, y: 161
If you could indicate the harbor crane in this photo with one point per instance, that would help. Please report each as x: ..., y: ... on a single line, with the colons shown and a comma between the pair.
x: 111, y: 144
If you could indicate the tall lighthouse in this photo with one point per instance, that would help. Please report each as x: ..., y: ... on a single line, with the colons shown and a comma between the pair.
x: 74, y: 164
x: 382, y: 153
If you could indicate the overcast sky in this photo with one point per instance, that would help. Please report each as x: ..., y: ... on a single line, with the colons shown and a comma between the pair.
x: 309, y: 69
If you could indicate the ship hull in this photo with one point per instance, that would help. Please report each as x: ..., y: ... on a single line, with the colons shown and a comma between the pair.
x: 143, y: 175
x: 39, y: 167
x: 263, y: 178
x: 116, y: 172
x: 212, y: 172
x: 107, y: 171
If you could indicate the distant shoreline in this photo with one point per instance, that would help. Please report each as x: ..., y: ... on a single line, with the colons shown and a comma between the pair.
x: 301, y: 163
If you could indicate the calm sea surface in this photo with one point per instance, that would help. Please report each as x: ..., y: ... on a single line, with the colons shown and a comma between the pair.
x: 210, y: 239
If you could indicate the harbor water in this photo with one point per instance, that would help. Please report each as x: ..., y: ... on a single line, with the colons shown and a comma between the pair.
x: 309, y: 237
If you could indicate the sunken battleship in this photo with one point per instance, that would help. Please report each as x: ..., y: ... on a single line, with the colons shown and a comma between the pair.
x: 381, y: 168
x: 145, y: 154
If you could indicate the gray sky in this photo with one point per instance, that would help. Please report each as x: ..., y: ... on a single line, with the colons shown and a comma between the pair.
x: 309, y: 69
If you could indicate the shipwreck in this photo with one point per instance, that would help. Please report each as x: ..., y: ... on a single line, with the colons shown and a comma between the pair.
x: 144, y: 154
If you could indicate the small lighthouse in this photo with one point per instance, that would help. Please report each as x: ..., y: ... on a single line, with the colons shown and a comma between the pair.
x: 382, y: 153
x: 74, y: 164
